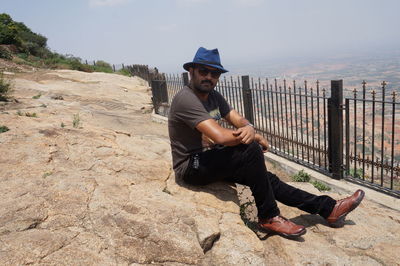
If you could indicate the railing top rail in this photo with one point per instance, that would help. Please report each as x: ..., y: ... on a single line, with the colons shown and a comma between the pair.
x: 372, y: 100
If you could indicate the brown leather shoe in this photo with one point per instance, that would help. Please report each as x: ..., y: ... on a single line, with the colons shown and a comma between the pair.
x: 343, y: 207
x: 282, y: 226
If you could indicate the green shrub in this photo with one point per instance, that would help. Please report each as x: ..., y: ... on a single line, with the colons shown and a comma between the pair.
x: 46, y: 174
x: 4, y: 129
x: 5, y: 53
x: 58, y: 61
x: 76, y: 121
x: 26, y: 114
x: 27, y: 59
x: 77, y: 65
x: 102, y: 66
x: 37, y: 96
x: 320, y: 186
x: 243, y: 214
x: 54, y: 60
x: 5, y: 88
x: 356, y: 173
x: 124, y: 72
x: 31, y: 114
x: 301, y: 176
x: 23, y: 56
x: 101, y: 69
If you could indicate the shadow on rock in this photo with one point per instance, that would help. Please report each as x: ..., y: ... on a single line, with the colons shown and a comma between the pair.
x: 309, y: 220
x: 224, y: 191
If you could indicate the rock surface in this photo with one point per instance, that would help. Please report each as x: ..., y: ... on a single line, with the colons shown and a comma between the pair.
x: 103, y: 192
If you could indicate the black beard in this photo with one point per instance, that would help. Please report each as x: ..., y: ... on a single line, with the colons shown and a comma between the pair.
x: 202, y: 89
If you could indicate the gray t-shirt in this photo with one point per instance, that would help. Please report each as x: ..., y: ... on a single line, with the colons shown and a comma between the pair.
x: 186, y: 111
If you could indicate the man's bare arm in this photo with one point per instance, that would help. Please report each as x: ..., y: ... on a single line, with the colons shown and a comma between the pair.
x: 235, y: 119
x: 218, y: 134
x: 245, y: 130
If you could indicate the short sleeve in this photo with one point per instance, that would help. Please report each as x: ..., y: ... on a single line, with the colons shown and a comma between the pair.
x: 188, y: 109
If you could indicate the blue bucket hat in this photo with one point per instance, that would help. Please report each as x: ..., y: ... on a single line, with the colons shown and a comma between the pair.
x: 207, y: 58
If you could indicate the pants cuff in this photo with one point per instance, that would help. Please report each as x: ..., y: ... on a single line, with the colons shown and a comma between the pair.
x: 327, y: 207
x: 269, y: 214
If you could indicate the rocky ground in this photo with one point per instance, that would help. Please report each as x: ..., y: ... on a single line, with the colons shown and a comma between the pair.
x: 85, y: 179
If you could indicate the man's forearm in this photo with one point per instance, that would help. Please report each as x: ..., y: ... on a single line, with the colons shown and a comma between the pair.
x: 219, y: 135
x: 228, y: 138
x: 236, y: 120
x: 232, y: 141
x: 241, y: 123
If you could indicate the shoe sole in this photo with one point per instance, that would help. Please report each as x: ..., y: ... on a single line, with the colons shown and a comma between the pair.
x: 289, y: 236
x: 340, y: 221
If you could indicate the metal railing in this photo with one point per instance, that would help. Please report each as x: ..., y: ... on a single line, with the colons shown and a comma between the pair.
x: 311, y: 126
x: 372, y: 151
x: 292, y: 118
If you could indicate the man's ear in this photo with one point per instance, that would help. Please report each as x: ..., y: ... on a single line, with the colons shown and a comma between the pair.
x: 191, y: 71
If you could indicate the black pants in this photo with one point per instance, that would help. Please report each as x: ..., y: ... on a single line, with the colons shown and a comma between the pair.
x: 244, y: 164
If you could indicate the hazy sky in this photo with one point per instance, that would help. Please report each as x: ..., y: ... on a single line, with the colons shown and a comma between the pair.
x: 166, y: 33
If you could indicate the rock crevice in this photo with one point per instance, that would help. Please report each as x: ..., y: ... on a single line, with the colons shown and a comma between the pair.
x: 208, y: 242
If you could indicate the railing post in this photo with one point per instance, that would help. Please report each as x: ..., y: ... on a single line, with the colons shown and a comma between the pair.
x: 156, y: 98
x: 160, y: 93
x: 164, y: 91
x: 247, y: 99
x: 347, y: 136
x: 335, y: 129
x: 185, y: 77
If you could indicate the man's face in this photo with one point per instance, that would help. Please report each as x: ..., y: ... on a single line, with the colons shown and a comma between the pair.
x: 204, y: 78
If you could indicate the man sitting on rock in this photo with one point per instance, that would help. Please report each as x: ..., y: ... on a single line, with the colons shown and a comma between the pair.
x: 204, y: 152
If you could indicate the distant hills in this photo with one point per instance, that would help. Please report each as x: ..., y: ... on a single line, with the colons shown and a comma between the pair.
x: 373, y: 67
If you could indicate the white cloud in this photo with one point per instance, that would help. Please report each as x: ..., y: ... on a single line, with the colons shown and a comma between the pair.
x: 95, y: 3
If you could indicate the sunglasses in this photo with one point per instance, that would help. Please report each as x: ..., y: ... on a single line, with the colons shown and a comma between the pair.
x: 204, y: 72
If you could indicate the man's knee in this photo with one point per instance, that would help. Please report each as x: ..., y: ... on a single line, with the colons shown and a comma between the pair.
x: 254, y: 150
x: 255, y: 146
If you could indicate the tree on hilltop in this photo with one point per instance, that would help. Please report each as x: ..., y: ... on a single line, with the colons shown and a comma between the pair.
x: 19, y: 35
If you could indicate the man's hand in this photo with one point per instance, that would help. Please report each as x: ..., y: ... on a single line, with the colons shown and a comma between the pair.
x: 262, y: 141
x: 246, y: 134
